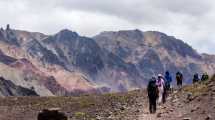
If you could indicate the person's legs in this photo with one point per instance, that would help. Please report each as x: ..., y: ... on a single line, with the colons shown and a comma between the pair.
x: 168, y: 90
x: 164, y: 96
x: 180, y: 84
x: 160, y: 95
x: 150, y: 106
x: 154, y: 106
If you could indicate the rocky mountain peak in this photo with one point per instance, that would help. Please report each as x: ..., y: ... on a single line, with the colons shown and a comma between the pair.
x: 8, y: 27
x: 124, y: 33
x: 66, y: 34
x: 9, y: 36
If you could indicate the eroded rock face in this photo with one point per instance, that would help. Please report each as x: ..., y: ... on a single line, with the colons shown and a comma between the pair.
x: 151, y: 63
x: 76, y: 51
x: 9, y: 36
x: 51, y: 115
x: 153, y: 52
x: 8, y: 88
x: 101, y: 66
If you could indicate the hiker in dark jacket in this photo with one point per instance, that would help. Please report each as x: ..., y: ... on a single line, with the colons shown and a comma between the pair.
x: 179, y: 80
x: 196, y: 78
x: 152, y: 94
x: 205, y: 77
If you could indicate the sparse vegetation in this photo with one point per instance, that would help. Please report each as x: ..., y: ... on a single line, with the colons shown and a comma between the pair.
x: 196, y: 89
x: 80, y: 115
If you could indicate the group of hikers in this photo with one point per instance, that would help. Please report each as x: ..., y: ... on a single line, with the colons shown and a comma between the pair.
x: 159, y: 87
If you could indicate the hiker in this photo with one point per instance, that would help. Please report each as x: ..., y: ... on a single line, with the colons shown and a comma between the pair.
x: 160, y: 83
x: 168, y: 80
x: 152, y: 94
x: 196, y: 78
x: 205, y: 77
x: 179, y: 80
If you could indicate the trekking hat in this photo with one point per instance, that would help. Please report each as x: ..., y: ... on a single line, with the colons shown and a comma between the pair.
x: 160, y: 75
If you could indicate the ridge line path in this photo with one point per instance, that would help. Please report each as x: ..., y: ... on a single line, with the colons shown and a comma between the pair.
x: 163, y: 111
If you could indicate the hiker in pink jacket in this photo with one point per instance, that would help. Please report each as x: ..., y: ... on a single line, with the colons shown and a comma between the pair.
x: 161, y: 84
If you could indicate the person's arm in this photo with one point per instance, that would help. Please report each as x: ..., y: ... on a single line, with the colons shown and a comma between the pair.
x: 148, y: 87
x: 170, y: 79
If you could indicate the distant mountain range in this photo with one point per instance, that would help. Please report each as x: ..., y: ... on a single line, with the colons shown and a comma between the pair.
x: 66, y: 63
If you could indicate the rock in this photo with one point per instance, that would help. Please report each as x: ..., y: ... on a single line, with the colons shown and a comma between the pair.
x: 203, y: 112
x: 98, y: 118
x: 204, y: 94
x: 199, y: 99
x: 208, y: 117
x: 189, y: 96
x: 171, y: 110
x: 137, y: 111
x: 159, y: 115
x: 192, y: 110
x: 51, y: 115
x: 122, y: 108
x: 195, y: 109
x: 186, y: 118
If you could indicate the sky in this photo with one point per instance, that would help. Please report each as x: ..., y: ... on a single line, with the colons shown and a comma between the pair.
x: 192, y: 21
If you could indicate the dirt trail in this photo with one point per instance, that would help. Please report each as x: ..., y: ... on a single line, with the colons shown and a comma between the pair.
x: 195, y: 102
x: 145, y: 115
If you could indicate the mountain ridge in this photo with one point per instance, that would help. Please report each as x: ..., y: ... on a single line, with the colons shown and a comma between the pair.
x: 113, y: 61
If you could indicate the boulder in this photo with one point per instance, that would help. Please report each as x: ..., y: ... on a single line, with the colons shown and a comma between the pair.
x: 51, y: 115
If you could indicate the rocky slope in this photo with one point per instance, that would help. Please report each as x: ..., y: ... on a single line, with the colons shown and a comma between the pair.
x: 154, y: 52
x: 9, y: 89
x: 66, y: 63
x: 84, y: 54
x: 37, y: 66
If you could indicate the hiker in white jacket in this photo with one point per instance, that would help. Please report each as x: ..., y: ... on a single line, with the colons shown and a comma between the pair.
x: 161, y: 84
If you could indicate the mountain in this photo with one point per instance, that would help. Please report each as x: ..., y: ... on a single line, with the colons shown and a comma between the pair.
x: 84, y: 54
x: 38, y: 67
x: 67, y: 63
x: 154, y: 52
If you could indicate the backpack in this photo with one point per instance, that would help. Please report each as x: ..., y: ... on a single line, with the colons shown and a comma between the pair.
x: 179, y: 76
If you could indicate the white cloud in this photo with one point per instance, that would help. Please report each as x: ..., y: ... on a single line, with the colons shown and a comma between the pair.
x: 189, y: 20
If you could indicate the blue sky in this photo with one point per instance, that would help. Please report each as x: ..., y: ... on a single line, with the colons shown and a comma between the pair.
x: 189, y: 20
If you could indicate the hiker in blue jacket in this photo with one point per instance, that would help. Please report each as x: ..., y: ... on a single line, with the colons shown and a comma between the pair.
x: 167, y: 80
